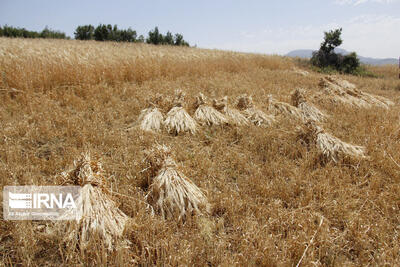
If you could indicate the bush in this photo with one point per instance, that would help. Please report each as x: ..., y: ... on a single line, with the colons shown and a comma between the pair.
x: 349, y: 63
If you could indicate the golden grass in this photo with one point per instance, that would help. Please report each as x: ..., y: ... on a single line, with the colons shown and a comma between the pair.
x: 267, y: 190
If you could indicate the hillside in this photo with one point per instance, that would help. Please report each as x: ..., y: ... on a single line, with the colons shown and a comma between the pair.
x: 274, y: 199
x: 307, y: 53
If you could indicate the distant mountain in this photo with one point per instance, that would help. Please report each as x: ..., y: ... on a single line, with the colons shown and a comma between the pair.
x: 307, y: 53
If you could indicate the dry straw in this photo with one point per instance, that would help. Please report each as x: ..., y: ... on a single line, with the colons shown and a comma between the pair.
x: 256, y: 116
x: 308, y: 111
x: 100, y: 215
x: 338, y: 90
x: 151, y: 119
x: 177, y: 119
x: 206, y: 114
x: 233, y: 115
x: 171, y: 193
x: 283, y: 108
x: 330, y: 146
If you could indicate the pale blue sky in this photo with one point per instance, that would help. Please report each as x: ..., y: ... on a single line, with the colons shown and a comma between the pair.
x: 370, y: 27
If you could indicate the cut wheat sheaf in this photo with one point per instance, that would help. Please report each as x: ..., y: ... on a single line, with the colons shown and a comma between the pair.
x: 331, y: 147
x: 101, y: 217
x: 254, y: 115
x: 171, y: 193
x: 337, y: 90
x: 234, y: 116
x: 206, y: 114
x: 308, y: 111
x: 178, y: 119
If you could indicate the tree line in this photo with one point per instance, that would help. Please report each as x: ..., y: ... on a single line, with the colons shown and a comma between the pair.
x: 108, y: 32
x: 9, y: 31
x: 102, y: 32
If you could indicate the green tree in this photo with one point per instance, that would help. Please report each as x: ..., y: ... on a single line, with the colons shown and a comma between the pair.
x: 101, y: 32
x: 179, y: 40
x: 168, y: 39
x: 332, y: 40
x: 140, y: 39
x: 85, y: 32
x: 326, y: 57
x: 155, y: 37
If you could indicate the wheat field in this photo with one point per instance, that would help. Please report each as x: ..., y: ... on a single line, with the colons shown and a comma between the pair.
x: 274, y: 200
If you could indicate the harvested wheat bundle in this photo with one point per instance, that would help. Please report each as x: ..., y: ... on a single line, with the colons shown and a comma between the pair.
x: 150, y: 119
x: 336, y: 94
x: 308, y: 111
x: 100, y: 215
x: 330, y: 146
x: 171, y: 193
x: 256, y: 116
x: 207, y: 114
x: 342, y: 91
x: 177, y: 119
x: 233, y: 115
x: 283, y: 108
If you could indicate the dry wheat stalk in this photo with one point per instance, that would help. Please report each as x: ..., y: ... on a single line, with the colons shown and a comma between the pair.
x: 207, y: 114
x: 254, y: 115
x: 177, y: 119
x: 100, y: 215
x: 233, y: 115
x: 308, y: 111
x: 330, y: 146
x: 283, y: 108
x: 171, y: 193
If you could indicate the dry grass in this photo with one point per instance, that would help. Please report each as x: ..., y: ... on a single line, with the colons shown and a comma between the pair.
x: 267, y: 190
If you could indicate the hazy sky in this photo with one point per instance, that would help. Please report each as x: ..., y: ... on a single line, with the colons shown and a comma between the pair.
x: 370, y: 27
